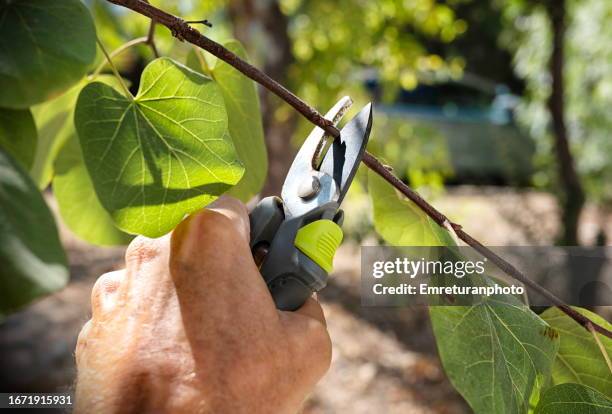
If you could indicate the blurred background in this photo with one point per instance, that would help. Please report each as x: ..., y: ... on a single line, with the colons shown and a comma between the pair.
x: 497, y: 111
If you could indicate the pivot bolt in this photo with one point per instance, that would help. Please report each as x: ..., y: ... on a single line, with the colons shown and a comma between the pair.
x: 309, y: 187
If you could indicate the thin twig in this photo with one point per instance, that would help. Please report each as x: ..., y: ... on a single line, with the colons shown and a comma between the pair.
x: 151, y: 37
x: 205, y: 22
x: 182, y: 31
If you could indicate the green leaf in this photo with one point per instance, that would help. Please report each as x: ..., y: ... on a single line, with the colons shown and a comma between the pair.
x: 199, y: 62
x: 161, y: 155
x: 18, y: 135
x: 45, y: 47
x: 399, y: 221
x: 497, y: 354
x: 573, y: 399
x: 32, y: 261
x: 579, y: 359
x: 55, y: 126
x: 245, y: 125
x: 78, y: 203
x: 54, y: 119
x: 244, y: 116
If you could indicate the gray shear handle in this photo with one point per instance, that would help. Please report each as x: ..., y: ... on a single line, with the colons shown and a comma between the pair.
x: 290, y: 275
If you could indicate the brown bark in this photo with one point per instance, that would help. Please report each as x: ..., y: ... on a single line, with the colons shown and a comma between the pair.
x: 265, y: 18
x: 572, y: 198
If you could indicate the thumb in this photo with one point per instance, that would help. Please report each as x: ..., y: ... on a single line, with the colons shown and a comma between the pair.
x: 212, y: 266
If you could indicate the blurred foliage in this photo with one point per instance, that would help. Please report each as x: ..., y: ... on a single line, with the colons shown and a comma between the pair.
x: 425, y: 162
x: 332, y: 40
x: 588, y: 82
x: 338, y: 45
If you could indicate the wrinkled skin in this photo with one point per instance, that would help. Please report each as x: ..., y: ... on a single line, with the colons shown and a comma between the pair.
x: 190, y: 327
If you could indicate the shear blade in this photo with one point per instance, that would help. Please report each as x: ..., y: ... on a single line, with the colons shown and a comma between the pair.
x: 338, y: 167
x: 344, y: 156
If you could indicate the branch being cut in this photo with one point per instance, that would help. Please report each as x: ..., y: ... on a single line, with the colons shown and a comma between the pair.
x: 182, y: 31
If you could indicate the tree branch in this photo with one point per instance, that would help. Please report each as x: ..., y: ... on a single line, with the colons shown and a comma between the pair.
x: 182, y: 31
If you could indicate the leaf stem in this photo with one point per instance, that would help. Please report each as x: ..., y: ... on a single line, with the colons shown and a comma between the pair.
x: 183, y: 32
x: 128, y: 94
x: 203, y: 63
x: 116, y: 53
x: 602, y: 349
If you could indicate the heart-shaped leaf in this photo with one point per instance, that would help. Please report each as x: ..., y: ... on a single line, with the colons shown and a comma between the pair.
x: 32, y: 261
x: 244, y: 115
x: 45, y: 46
x: 573, y: 399
x: 161, y: 155
x: 18, y: 135
x: 579, y: 359
x: 55, y: 122
x: 76, y: 198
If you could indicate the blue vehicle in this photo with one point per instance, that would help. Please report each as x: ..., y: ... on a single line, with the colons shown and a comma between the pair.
x: 466, y: 127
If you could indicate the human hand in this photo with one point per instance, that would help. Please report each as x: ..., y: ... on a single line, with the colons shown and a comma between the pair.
x: 190, y: 327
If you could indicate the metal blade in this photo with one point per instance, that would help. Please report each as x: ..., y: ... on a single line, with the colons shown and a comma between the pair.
x: 344, y: 156
x: 304, y: 188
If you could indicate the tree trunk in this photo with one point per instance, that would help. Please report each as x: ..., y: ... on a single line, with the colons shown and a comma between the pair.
x: 572, y: 197
x: 263, y: 19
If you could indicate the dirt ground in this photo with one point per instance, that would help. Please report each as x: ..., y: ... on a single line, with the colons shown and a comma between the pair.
x: 384, y: 359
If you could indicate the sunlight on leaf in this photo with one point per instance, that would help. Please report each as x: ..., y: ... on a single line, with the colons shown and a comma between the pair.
x: 244, y: 116
x: 77, y: 201
x: 54, y: 120
x: 245, y: 125
x: 161, y: 155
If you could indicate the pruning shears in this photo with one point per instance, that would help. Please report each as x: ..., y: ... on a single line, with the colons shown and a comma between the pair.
x: 294, y: 238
